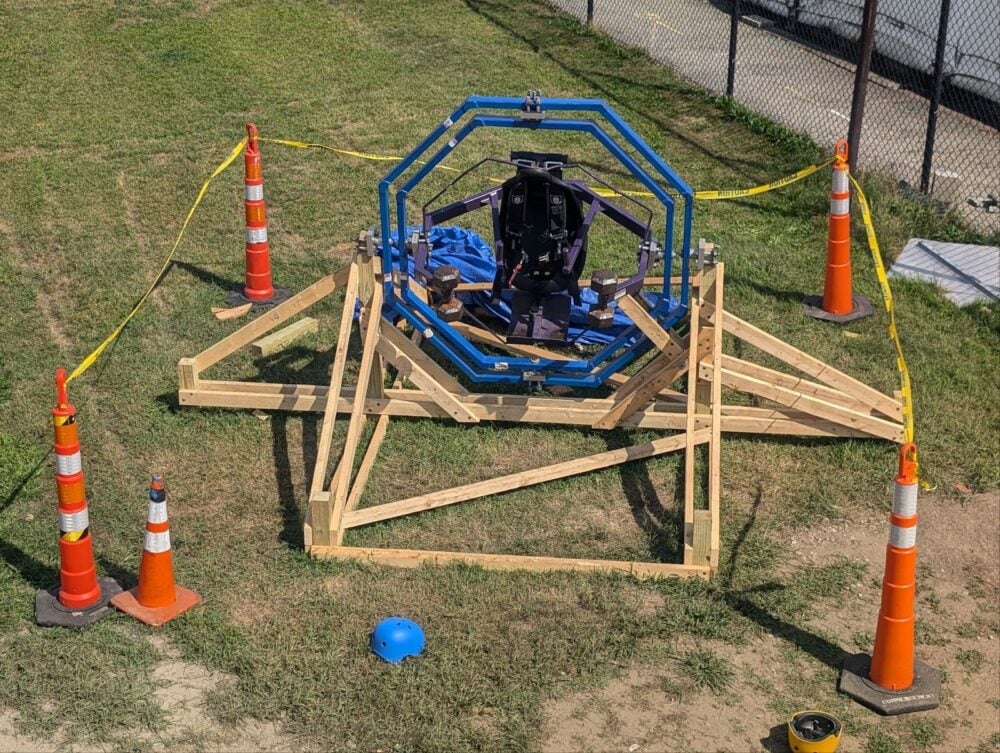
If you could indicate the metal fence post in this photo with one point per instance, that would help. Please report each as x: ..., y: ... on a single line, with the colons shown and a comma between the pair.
x: 861, y: 81
x: 734, y: 25
x: 925, y: 169
x: 590, y: 12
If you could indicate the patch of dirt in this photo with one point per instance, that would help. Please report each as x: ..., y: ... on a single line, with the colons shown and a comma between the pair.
x: 11, y: 740
x: 182, y: 691
x: 653, y: 707
x: 23, y: 152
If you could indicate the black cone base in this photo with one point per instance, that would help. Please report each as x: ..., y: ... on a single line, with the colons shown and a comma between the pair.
x: 236, y: 298
x: 50, y: 613
x: 923, y: 695
x: 860, y: 308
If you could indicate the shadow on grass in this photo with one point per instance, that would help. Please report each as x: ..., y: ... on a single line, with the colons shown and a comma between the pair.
x: 35, y: 572
x: 123, y: 576
x: 291, y: 516
x: 208, y: 277
x: 543, y: 38
x: 743, y: 602
x: 23, y: 481
x: 662, y: 525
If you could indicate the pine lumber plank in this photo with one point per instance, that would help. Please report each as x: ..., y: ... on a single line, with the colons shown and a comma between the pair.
x: 225, y: 314
x: 806, y: 363
x: 322, y: 510
x: 282, y: 338
x: 690, y: 449
x: 419, y: 557
x: 520, y: 480
x: 271, y: 319
x: 798, y: 384
x: 414, y: 365
x: 341, y: 487
x: 702, y: 538
x: 715, y: 444
x: 487, y: 407
x: 876, y: 427
x: 374, y: 443
x: 641, y: 318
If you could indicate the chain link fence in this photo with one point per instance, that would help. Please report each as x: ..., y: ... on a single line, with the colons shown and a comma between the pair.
x: 932, y: 104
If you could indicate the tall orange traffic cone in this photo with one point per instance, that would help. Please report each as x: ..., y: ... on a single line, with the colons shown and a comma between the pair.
x: 80, y: 598
x: 157, y: 599
x: 892, y: 680
x: 837, y: 303
x: 258, y: 289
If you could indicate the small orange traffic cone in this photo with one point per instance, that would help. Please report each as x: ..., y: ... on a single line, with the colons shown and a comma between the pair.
x: 892, y: 680
x: 157, y: 599
x: 258, y: 289
x: 81, y: 598
x: 837, y: 303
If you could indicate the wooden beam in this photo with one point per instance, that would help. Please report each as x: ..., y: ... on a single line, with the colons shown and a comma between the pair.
x: 520, y: 480
x: 371, y: 452
x: 416, y: 366
x: 271, y: 319
x: 418, y: 557
x: 506, y: 408
x: 187, y: 374
x: 701, y: 542
x: 641, y: 318
x: 798, y: 384
x: 690, y: 449
x: 811, y: 366
x: 876, y: 427
x: 283, y: 337
x: 715, y: 403
x: 654, y: 377
x: 373, y: 313
x: 320, y: 502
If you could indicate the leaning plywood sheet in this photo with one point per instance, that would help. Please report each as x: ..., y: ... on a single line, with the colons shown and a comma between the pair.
x: 965, y: 273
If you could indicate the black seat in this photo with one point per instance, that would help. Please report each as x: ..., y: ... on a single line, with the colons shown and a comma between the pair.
x: 540, y: 219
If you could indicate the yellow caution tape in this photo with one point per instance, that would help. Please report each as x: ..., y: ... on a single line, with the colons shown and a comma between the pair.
x: 605, y: 192
x: 780, y: 183
x: 87, y: 362
x: 348, y: 152
x: 890, y: 308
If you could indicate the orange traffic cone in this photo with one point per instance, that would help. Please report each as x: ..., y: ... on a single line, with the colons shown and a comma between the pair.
x: 258, y: 289
x: 837, y: 303
x: 157, y: 599
x: 81, y: 598
x: 893, y: 680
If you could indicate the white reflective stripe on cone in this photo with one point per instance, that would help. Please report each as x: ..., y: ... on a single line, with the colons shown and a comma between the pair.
x: 904, y: 500
x: 840, y: 206
x: 74, y: 521
x: 255, y: 192
x: 903, y: 537
x: 157, y: 542
x: 67, y: 465
x: 157, y: 512
x: 840, y: 183
x: 256, y: 235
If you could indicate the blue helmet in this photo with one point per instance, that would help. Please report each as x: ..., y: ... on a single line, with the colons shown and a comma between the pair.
x: 395, y: 638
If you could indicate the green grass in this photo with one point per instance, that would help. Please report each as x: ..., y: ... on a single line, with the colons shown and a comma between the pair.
x: 114, y: 114
x: 706, y: 669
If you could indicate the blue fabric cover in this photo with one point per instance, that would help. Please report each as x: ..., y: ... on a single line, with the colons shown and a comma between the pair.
x: 473, y: 256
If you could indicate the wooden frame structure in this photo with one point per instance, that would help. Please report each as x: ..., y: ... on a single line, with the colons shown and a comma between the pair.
x: 825, y: 402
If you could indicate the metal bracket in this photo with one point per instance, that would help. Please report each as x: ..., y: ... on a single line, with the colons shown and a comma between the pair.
x: 706, y: 255
x: 532, y: 107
